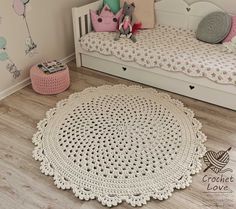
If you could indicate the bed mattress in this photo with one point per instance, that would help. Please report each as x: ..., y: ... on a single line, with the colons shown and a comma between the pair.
x: 168, y: 48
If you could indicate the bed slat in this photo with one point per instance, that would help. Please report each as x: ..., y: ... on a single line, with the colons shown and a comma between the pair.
x: 89, y: 23
x: 83, y: 25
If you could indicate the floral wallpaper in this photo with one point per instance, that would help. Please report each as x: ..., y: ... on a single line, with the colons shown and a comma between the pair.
x: 19, y: 7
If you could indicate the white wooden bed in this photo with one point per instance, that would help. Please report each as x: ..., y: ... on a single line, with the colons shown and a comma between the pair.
x: 168, y: 12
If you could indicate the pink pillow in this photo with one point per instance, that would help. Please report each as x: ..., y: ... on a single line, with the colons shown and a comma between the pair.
x: 144, y: 12
x: 106, y: 21
x: 232, y: 32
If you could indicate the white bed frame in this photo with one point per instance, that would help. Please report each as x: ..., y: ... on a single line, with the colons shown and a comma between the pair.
x: 168, y: 12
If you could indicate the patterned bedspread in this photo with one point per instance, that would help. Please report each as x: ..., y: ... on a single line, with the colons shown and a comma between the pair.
x: 169, y: 48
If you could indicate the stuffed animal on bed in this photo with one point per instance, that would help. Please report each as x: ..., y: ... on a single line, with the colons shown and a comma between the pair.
x: 125, y: 27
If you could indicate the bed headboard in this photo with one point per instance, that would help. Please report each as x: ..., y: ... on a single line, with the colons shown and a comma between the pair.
x: 168, y: 12
x: 179, y: 13
x: 81, y: 18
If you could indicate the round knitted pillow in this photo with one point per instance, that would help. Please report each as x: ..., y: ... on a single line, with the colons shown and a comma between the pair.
x: 214, y: 27
x: 232, y: 32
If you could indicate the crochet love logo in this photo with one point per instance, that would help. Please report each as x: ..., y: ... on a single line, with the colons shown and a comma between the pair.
x: 220, y: 180
x: 217, y: 161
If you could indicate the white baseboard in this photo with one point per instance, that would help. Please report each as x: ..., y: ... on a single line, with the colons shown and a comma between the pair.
x: 68, y: 58
x: 26, y: 82
x: 14, y: 88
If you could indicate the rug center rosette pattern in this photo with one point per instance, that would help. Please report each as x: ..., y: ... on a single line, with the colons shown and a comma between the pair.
x: 120, y: 143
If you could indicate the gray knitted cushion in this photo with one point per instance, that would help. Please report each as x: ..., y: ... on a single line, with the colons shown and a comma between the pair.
x: 214, y: 27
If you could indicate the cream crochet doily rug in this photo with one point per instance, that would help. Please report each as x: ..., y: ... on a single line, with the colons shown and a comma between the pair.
x: 119, y: 143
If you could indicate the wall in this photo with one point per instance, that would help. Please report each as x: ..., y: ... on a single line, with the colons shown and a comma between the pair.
x: 50, y: 26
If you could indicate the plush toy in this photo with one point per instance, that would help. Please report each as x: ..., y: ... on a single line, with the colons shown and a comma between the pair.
x: 125, y: 27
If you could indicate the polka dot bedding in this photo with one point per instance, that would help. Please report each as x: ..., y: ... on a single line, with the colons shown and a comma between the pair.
x: 168, y: 48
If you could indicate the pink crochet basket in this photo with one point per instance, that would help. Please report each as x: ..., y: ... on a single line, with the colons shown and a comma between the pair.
x: 48, y: 84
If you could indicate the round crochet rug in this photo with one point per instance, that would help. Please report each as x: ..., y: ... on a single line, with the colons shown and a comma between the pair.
x: 120, y: 143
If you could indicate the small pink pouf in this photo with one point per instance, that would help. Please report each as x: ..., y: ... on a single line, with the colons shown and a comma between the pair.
x: 48, y: 84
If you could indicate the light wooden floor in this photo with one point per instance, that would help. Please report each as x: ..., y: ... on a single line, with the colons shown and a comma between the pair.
x: 22, y: 186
